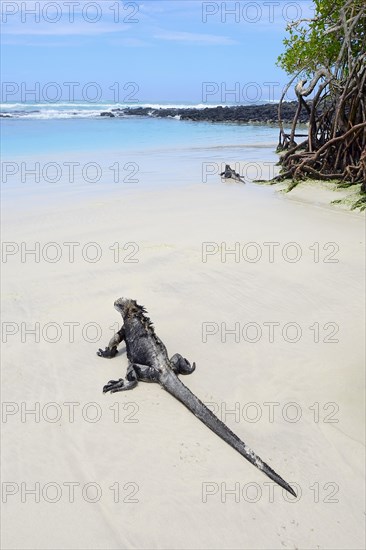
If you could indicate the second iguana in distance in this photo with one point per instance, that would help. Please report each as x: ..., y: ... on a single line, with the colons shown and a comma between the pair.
x: 229, y: 173
x: 148, y: 361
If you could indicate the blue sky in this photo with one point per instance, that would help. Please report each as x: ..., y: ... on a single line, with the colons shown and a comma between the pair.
x: 168, y: 49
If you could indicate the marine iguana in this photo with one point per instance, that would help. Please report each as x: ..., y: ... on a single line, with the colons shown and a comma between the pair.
x: 229, y: 173
x: 148, y: 361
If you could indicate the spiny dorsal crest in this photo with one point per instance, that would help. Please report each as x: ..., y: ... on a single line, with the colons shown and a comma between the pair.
x: 139, y: 312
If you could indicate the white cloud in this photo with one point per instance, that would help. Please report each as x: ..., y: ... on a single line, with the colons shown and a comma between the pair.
x: 194, y: 38
x: 130, y: 42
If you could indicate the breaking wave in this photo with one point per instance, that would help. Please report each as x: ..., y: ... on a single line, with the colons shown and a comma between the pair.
x: 46, y: 111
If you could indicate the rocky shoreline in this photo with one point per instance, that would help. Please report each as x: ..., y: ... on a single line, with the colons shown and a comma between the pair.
x: 238, y: 114
x: 249, y: 114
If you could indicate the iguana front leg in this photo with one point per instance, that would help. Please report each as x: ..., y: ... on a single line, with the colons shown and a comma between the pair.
x: 181, y: 365
x: 123, y: 385
x: 111, y: 350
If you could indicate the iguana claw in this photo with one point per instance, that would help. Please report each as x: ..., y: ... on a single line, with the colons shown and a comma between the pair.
x: 113, y: 385
x: 109, y: 353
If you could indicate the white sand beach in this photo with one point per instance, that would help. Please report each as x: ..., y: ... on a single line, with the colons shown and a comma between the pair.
x: 144, y: 472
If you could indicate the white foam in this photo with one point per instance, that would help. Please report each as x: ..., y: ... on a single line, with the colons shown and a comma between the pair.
x: 88, y: 110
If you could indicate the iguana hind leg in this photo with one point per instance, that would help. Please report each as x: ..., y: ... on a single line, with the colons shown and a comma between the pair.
x: 135, y: 372
x: 129, y: 383
x: 146, y: 373
x: 181, y: 365
x: 111, y: 350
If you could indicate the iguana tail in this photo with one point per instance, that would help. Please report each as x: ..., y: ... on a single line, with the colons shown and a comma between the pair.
x: 175, y: 387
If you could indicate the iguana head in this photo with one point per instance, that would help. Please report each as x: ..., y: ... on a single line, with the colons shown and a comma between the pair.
x: 125, y: 306
x: 121, y: 305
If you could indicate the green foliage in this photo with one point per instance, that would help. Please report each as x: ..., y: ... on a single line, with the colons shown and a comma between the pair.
x: 291, y: 185
x: 361, y: 204
x: 309, y: 46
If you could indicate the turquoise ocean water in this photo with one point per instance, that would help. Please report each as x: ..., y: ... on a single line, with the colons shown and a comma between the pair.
x: 24, y: 137
x: 156, y: 148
